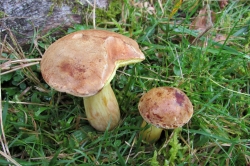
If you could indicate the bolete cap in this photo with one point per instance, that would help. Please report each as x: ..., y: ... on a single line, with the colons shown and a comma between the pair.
x: 83, y: 62
x: 165, y: 107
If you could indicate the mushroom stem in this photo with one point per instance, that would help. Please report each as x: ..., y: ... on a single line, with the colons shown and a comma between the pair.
x: 151, y: 134
x: 102, y: 110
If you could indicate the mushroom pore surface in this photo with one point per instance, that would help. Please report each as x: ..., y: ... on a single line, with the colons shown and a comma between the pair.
x: 166, y: 107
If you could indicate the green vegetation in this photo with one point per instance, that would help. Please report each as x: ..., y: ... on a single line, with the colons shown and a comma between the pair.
x: 41, y: 126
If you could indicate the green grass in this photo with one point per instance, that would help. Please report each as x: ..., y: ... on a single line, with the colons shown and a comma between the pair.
x: 44, y: 127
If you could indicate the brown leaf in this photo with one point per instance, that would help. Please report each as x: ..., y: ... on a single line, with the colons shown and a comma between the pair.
x: 204, y: 19
x: 220, y: 38
x: 223, y: 3
x: 202, y: 23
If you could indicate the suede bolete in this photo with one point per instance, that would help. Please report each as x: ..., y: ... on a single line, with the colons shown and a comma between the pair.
x: 164, y: 108
x: 83, y: 63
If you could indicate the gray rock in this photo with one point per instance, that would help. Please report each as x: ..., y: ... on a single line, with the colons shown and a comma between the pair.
x: 26, y: 17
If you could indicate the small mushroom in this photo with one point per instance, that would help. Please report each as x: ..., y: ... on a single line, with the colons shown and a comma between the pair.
x: 163, y: 108
x: 83, y: 64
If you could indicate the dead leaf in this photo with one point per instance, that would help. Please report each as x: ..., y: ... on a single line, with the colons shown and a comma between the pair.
x: 204, y: 20
x: 176, y: 8
x: 202, y: 23
x: 220, y: 38
x: 223, y: 3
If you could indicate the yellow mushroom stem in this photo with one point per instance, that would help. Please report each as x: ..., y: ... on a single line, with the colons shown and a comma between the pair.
x: 102, y: 110
x: 151, y: 134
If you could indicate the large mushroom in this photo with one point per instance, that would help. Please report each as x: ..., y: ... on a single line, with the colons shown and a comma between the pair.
x: 83, y: 64
x: 163, y: 108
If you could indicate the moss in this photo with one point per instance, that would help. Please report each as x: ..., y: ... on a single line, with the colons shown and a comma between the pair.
x: 103, y: 15
x: 113, y: 12
x: 75, y: 5
x: 2, y: 14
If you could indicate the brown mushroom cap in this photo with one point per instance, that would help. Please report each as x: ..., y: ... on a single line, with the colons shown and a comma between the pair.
x: 165, y: 107
x: 83, y: 62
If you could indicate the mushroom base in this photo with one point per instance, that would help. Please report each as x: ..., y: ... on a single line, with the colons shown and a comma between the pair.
x: 151, y: 134
x: 102, y: 110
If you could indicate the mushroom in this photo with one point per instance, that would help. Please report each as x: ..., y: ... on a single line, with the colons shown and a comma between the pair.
x: 163, y: 108
x: 83, y: 64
